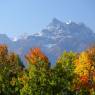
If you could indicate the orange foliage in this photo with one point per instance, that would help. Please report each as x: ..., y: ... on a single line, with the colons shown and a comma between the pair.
x: 3, y: 50
x: 84, y: 80
x: 35, y: 55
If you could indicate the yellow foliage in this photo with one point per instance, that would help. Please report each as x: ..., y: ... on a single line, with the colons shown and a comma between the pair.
x: 85, y: 67
x: 82, y: 64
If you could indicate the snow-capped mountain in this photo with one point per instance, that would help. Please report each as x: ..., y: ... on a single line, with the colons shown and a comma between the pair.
x: 54, y: 39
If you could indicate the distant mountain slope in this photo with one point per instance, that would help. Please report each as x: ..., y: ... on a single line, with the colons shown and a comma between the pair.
x: 54, y: 39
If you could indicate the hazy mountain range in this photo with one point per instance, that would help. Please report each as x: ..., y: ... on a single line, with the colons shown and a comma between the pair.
x: 54, y: 39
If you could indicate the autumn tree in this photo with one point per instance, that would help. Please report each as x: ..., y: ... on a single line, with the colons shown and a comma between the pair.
x: 36, y: 57
x: 36, y: 78
x: 85, y: 69
x: 10, y: 66
x: 15, y: 63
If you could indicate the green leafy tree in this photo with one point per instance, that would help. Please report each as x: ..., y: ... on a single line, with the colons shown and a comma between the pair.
x: 36, y: 79
x: 10, y: 66
x: 64, y: 74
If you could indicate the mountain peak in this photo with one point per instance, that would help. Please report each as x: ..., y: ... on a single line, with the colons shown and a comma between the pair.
x: 55, y: 23
x: 55, y: 20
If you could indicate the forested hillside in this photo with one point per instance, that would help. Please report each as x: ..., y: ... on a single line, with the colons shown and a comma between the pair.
x: 72, y: 74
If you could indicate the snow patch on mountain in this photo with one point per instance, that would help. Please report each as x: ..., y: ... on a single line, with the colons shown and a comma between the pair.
x: 37, y: 34
x: 50, y: 45
x: 14, y: 39
x: 69, y: 22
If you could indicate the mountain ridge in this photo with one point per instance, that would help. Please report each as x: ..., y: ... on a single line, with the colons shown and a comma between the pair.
x: 54, y: 39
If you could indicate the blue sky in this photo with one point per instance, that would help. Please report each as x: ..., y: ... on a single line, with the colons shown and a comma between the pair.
x: 28, y: 16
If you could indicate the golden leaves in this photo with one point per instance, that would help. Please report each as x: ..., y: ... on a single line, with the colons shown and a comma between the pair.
x: 85, y: 67
x: 3, y: 50
x: 82, y: 64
